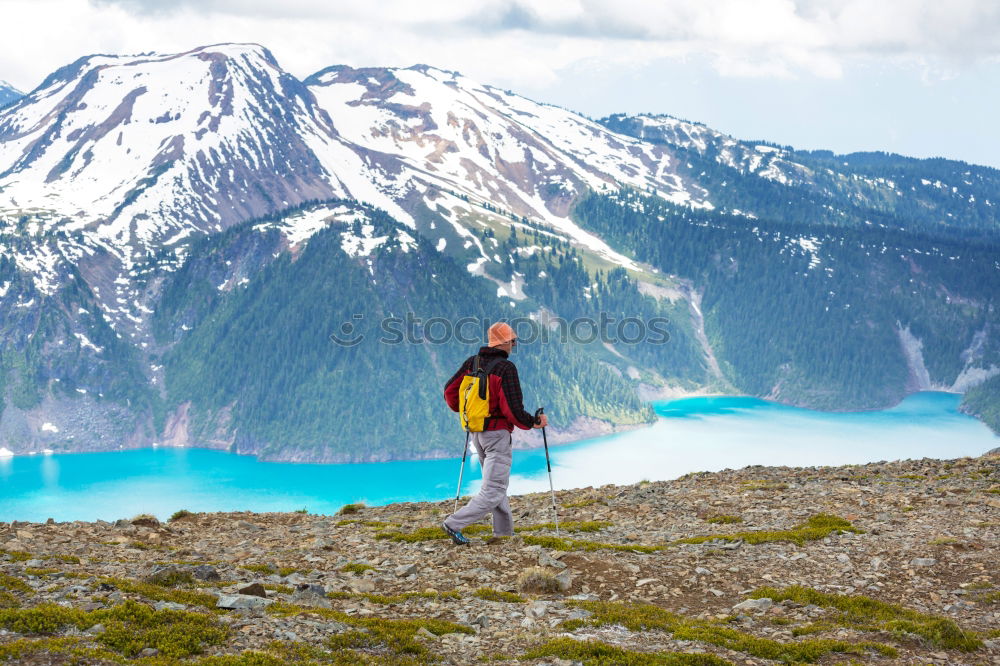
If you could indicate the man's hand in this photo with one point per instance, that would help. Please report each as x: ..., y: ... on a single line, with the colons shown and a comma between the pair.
x: 543, y: 421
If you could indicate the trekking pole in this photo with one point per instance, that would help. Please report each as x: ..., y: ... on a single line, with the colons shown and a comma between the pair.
x: 545, y: 441
x: 461, y: 471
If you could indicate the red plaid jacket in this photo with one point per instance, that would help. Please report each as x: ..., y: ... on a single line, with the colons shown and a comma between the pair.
x: 506, y: 399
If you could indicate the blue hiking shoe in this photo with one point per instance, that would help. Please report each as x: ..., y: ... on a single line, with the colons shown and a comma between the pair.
x: 457, y: 538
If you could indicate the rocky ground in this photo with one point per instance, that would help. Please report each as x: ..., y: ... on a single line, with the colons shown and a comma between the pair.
x: 883, y: 563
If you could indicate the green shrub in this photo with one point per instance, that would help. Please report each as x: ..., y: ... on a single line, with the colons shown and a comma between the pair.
x: 351, y: 508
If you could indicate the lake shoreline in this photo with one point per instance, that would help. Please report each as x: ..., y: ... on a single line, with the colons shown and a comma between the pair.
x: 583, y: 429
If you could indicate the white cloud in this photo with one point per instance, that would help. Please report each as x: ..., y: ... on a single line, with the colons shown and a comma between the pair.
x: 513, y: 43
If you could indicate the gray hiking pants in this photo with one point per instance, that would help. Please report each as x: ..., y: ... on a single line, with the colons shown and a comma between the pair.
x: 493, y: 447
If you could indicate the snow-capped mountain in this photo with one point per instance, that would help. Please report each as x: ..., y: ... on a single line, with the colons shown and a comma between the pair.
x: 457, y: 136
x: 8, y: 94
x: 141, y: 151
x: 150, y: 207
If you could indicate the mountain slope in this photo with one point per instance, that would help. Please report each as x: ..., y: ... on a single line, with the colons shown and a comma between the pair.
x: 760, y: 179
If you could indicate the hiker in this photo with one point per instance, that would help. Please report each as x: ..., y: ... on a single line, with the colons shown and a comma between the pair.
x: 493, y: 443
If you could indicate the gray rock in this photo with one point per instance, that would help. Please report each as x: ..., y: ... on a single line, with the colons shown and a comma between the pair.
x: 537, y: 609
x: 35, y: 564
x: 242, y: 602
x: 149, y: 652
x: 168, y: 605
x: 923, y: 562
x: 311, y: 594
x: 255, y: 590
x: 755, y: 605
x: 546, y: 560
x: 482, y: 621
x: 362, y: 585
x: 565, y: 579
x: 205, y: 572
x: 406, y: 570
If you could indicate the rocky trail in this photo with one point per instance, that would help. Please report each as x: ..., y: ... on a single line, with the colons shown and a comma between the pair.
x: 881, y: 563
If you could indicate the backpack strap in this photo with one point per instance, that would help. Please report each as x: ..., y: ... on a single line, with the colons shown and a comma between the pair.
x: 492, y: 364
x: 486, y: 371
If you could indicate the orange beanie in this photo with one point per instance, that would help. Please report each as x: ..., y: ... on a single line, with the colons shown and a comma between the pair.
x: 500, y: 333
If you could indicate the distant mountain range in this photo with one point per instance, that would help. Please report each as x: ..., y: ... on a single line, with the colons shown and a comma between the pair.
x: 181, y: 234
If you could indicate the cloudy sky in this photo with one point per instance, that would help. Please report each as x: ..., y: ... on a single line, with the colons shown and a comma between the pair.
x: 918, y: 77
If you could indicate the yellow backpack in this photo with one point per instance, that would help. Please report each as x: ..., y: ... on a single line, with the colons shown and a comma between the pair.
x: 474, y: 396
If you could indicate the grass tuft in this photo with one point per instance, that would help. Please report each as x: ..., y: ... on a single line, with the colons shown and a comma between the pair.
x: 351, y: 508
x: 538, y: 580
x: 178, y: 515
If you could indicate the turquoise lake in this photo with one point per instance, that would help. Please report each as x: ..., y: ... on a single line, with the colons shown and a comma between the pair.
x: 692, y: 434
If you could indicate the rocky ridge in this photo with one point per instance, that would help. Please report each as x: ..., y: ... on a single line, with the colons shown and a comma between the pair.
x: 884, y: 563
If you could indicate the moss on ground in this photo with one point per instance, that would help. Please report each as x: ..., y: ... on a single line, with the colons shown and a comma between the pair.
x: 13, y: 583
x: 129, y: 627
x: 645, y: 617
x: 723, y: 519
x: 763, y: 485
x: 489, y: 594
x: 815, y: 528
x: 35, y: 571
x: 367, y: 523
x: 436, y: 533
x: 263, y: 569
x: 351, y: 508
x: 375, y: 635
x: 583, y: 503
x: 403, y: 596
x: 160, y: 593
x: 558, y: 543
x: 16, y: 555
x: 283, y: 589
x: 288, y: 571
x: 867, y: 614
x: 356, y: 568
x: 596, y: 653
